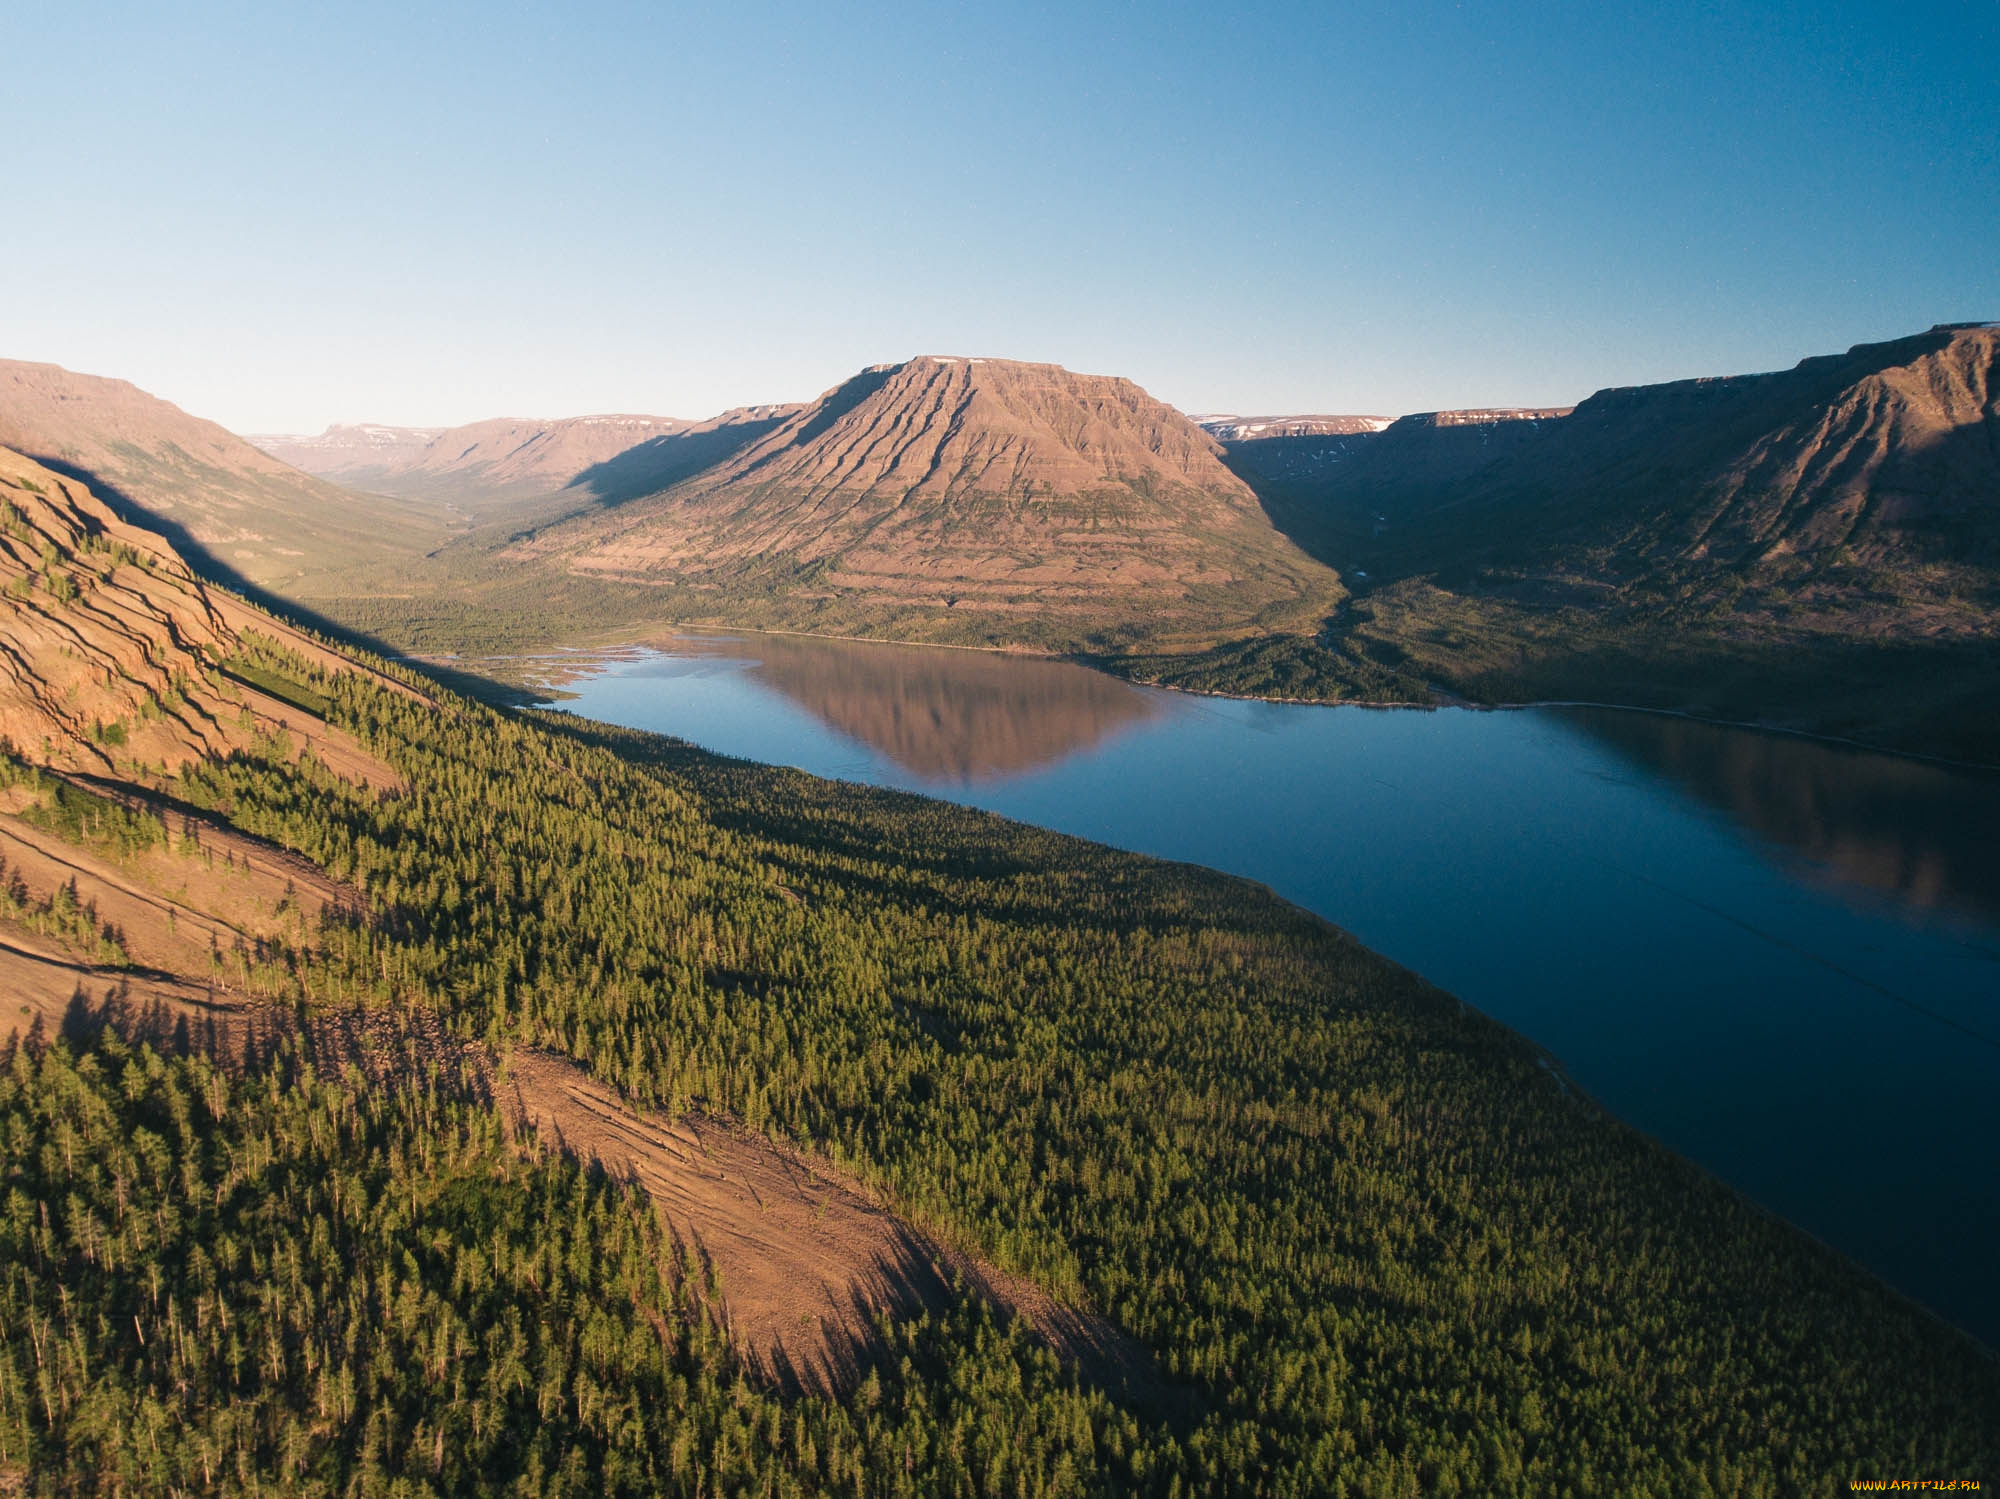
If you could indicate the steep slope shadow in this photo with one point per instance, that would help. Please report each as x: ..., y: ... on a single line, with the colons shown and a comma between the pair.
x: 211, y: 568
x: 1815, y: 548
x: 842, y: 399
x: 661, y: 462
x: 1346, y: 498
x: 1861, y: 450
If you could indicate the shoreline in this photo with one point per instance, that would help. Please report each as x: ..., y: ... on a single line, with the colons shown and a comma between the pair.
x: 580, y: 654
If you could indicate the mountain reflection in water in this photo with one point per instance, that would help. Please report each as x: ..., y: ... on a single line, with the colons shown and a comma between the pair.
x: 1922, y: 834
x: 943, y: 715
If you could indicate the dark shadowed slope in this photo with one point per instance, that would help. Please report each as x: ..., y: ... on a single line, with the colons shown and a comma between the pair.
x: 241, y: 511
x: 1819, y: 546
x: 1886, y: 456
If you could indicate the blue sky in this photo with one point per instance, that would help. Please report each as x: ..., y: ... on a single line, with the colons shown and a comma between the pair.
x: 283, y: 216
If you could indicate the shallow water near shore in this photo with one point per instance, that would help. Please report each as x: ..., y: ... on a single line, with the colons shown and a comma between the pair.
x: 1780, y: 956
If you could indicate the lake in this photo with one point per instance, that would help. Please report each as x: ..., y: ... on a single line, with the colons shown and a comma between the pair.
x: 1779, y: 956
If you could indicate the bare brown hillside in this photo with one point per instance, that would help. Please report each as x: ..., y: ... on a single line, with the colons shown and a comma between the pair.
x: 249, y: 514
x: 987, y: 500
x: 1901, y: 467
x: 112, y: 652
x: 1815, y: 548
x: 802, y: 1259
x: 1885, y: 457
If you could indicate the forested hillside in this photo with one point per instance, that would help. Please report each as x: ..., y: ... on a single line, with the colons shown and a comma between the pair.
x: 1367, y: 1241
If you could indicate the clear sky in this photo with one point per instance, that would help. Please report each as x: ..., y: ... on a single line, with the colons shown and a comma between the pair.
x: 285, y: 215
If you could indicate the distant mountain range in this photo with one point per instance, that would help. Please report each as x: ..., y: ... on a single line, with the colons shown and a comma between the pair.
x: 1817, y: 546
x: 360, y: 449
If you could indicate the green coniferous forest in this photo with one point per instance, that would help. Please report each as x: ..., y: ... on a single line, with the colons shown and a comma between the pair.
x: 1374, y: 1244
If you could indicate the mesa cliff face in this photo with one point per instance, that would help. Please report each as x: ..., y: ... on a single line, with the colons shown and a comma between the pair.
x: 1817, y: 547
x: 1887, y: 456
x: 1897, y: 464
x: 1048, y: 505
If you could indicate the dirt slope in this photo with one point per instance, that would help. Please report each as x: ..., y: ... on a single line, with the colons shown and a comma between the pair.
x: 111, y: 649
x: 976, y: 499
x: 803, y: 1259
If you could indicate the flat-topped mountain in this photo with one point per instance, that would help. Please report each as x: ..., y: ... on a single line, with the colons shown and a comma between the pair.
x: 1887, y: 455
x: 1669, y: 533
x: 979, y: 499
x: 249, y: 513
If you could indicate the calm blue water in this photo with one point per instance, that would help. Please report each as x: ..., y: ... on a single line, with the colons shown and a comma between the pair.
x: 1780, y: 957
